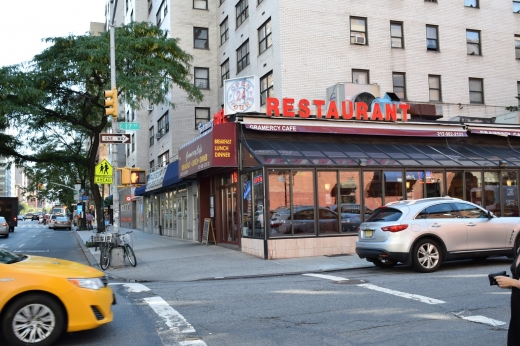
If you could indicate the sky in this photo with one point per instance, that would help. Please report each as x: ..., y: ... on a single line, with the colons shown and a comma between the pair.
x: 23, y: 23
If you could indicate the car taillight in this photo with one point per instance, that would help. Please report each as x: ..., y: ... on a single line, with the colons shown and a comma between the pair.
x: 396, y: 228
x: 14, y: 219
x: 4, y: 224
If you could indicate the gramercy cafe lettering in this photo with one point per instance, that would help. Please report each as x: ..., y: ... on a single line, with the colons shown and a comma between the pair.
x: 347, y: 110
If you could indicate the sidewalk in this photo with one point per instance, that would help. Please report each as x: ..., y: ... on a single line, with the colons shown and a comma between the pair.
x: 168, y: 259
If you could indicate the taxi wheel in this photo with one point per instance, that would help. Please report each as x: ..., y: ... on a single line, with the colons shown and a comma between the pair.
x: 33, y: 319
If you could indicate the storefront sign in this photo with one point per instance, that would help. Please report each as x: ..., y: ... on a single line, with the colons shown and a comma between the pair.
x: 242, y: 95
x: 155, y: 179
x: 348, y: 111
x: 216, y: 149
x: 498, y: 132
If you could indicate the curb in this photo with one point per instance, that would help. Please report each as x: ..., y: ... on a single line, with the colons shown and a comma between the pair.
x: 90, y: 258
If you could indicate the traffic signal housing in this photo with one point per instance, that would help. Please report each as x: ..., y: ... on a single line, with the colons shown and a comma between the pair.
x: 138, y: 177
x: 125, y: 176
x: 111, y: 102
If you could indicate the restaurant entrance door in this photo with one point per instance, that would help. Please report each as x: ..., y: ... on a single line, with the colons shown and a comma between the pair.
x: 229, y: 215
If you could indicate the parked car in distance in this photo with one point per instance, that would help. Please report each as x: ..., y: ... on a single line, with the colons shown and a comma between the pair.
x: 4, y: 227
x: 51, y: 219
x: 35, y: 217
x: 303, y: 220
x: 426, y: 232
x: 21, y: 218
x: 61, y: 222
x: 69, y: 297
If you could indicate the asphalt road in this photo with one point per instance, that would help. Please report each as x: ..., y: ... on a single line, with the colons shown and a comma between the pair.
x: 454, y: 306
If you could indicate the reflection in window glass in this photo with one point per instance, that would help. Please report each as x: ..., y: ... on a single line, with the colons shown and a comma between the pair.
x: 468, y: 211
x: 350, y: 202
x: 415, y: 185
x: 434, y: 184
x: 474, y: 187
x: 303, y: 198
x: 491, y: 194
x: 327, y: 191
x: 280, y: 202
x: 393, y: 186
x: 454, y: 181
x: 510, y: 193
x: 373, y: 187
x: 248, y: 221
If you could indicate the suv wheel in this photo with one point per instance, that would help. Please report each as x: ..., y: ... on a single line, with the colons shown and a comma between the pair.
x: 383, y: 263
x: 426, y: 256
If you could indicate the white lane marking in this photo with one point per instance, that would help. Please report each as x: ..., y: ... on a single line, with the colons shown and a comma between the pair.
x: 4, y: 246
x: 484, y: 320
x: 192, y: 343
x: 132, y: 287
x: 417, y: 297
x: 173, y: 319
x: 328, y: 277
x: 21, y: 245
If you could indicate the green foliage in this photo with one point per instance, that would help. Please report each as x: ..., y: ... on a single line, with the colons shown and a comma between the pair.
x: 56, y: 102
x: 514, y: 108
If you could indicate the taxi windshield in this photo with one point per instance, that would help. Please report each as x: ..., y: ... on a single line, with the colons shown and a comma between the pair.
x: 7, y: 257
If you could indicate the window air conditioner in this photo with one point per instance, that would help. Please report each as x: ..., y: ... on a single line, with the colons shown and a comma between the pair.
x: 150, y: 107
x: 158, y: 135
x: 360, y: 40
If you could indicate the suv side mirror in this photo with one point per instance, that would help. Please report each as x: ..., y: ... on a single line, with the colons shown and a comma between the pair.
x: 489, y: 214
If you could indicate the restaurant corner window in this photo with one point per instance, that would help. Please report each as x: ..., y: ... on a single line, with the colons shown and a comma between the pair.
x: 253, y: 220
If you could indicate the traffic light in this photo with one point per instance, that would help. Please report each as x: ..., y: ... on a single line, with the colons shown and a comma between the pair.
x: 125, y: 176
x: 138, y: 177
x: 111, y: 102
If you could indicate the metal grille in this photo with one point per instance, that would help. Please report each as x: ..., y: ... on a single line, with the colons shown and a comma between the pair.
x: 97, y: 313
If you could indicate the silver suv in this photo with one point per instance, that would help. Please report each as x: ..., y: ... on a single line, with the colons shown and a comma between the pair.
x: 426, y: 232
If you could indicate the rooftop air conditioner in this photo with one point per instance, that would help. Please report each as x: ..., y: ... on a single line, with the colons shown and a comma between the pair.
x: 360, y: 40
x: 150, y: 107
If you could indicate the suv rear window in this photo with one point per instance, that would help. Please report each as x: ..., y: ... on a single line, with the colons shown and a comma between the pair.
x: 385, y: 214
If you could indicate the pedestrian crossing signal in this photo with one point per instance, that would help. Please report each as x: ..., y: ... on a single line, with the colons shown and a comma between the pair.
x: 138, y: 177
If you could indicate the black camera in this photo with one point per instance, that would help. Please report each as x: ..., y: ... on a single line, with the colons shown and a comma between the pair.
x: 492, y: 280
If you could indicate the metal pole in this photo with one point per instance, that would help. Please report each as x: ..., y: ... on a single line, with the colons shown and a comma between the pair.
x: 115, y: 193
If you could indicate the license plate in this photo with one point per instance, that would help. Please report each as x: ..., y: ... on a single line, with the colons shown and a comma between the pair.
x: 369, y: 233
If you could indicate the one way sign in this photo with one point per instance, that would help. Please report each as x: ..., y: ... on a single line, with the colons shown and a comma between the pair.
x: 115, y: 138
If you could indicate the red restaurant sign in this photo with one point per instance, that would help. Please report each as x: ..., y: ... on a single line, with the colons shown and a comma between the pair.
x: 348, y: 111
x: 217, y: 148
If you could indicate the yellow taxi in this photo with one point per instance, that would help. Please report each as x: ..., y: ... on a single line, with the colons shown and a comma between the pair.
x: 42, y: 297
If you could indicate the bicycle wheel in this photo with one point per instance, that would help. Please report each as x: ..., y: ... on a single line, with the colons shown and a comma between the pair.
x: 129, y: 253
x: 104, y: 257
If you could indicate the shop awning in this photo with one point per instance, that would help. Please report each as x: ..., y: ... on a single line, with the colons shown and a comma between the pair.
x: 140, y: 190
x: 498, y: 131
x: 172, y: 174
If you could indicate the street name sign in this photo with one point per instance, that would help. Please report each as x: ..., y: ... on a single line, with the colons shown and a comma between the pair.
x: 128, y: 126
x: 115, y: 138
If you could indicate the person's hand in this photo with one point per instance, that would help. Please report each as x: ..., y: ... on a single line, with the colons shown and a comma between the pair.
x: 507, y: 282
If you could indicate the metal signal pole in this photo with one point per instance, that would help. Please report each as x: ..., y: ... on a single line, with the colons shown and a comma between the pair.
x: 115, y: 193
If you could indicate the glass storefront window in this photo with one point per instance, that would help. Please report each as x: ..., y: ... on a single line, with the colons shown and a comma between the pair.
x: 258, y: 203
x: 434, y: 184
x: 414, y: 185
x: 455, y: 184
x: 248, y: 220
x: 327, y: 217
x: 303, y: 202
x: 474, y: 187
x: 393, y: 186
x: 510, y: 193
x: 373, y: 189
x: 350, y: 202
x: 491, y: 194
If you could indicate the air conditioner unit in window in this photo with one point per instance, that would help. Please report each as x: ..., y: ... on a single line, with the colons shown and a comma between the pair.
x: 150, y: 107
x: 360, y: 40
x: 158, y: 135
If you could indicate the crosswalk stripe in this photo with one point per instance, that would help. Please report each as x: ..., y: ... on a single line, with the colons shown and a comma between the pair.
x: 417, y: 297
x: 484, y: 320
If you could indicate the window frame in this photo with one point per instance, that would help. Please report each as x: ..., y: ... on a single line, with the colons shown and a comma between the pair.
x: 430, y: 88
x: 516, y: 6
x: 244, y: 12
x: 162, y: 160
x: 133, y: 142
x: 196, y: 79
x: 517, y: 47
x: 478, y: 45
x: 195, y: 39
x: 363, y: 33
x: 151, y: 133
x: 207, y: 119
x: 163, y: 123
x: 470, y: 5
x: 436, y: 39
x: 224, y: 75
x: 403, y: 74
x: 267, y: 36
x: 360, y: 71
x: 241, y: 56
x: 481, y: 92
x: 518, y: 92
x: 161, y: 13
x: 224, y: 34
x: 401, y: 38
x: 152, y: 164
x: 199, y: 1
x: 270, y: 88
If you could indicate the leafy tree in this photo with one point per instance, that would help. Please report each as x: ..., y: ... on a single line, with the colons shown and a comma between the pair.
x: 56, y: 101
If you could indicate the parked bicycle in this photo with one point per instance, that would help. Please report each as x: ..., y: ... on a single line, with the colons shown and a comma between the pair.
x: 113, y: 241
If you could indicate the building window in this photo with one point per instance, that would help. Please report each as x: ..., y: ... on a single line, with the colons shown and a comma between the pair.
x: 133, y: 142
x: 265, y: 40
x: 516, y: 6
x: 473, y: 42
x: 358, y: 30
x: 241, y: 10
x: 471, y: 3
x: 518, y: 92
x: 163, y: 159
x: 163, y: 125
x: 224, y: 31
x: 161, y: 12
x: 152, y: 136
x: 430, y: 0
x: 200, y: 4
x: 150, y: 6
x: 517, y: 46
x: 360, y: 77
x: 200, y: 38
x: 476, y: 90
x: 398, y: 79
x: 201, y: 116
x: 152, y: 164
x: 266, y: 87
x: 432, y: 38
x: 221, y: 2
x: 202, y: 77
x: 224, y: 72
x: 243, y: 56
x: 127, y: 150
x: 396, y: 35
x: 434, y: 84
